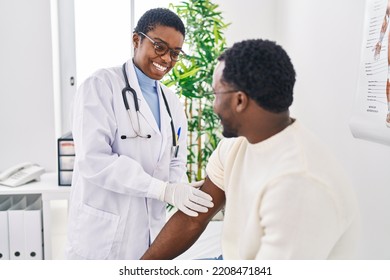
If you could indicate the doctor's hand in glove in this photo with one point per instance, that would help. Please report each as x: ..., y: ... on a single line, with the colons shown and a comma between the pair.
x: 188, y: 198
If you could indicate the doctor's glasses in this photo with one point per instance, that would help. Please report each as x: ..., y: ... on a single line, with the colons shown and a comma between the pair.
x: 161, y: 48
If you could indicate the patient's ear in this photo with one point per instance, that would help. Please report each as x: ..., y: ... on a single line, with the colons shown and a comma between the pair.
x: 242, y: 101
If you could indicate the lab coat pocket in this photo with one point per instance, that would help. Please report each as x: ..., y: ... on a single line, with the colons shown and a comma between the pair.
x: 95, y: 232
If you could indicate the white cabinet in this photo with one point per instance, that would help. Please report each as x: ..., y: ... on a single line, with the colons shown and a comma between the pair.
x: 49, y: 191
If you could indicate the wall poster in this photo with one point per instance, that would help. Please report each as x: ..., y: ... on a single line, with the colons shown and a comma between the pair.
x: 371, y: 112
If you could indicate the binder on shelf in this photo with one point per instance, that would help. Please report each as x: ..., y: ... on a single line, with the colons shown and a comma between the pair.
x: 5, y: 204
x: 33, y: 229
x: 16, y: 228
x: 66, y: 155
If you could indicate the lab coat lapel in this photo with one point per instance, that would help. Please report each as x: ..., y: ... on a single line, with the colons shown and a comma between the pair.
x: 144, y: 109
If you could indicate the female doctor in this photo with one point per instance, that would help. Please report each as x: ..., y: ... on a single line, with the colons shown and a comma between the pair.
x: 130, y: 133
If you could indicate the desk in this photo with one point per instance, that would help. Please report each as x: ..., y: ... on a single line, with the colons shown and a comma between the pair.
x: 49, y: 190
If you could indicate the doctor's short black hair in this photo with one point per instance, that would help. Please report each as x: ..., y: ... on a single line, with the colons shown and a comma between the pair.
x: 263, y: 70
x: 159, y: 17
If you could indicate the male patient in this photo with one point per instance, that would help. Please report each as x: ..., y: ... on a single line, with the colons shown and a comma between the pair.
x: 286, y: 196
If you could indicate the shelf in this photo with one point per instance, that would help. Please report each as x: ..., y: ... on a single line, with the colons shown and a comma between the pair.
x: 48, y: 184
x: 49, y: 190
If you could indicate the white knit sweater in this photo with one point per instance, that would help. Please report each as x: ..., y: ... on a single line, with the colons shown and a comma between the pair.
x: 286, y: 198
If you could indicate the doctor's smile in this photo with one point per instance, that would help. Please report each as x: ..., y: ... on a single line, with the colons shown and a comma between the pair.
x: 160, y: 67
x: 157, y: 51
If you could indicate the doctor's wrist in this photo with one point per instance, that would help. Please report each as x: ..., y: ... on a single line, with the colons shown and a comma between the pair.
x: 157, y: 189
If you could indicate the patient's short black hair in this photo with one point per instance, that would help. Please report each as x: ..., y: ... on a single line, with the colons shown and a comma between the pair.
x: 159, y: 17
x: 263, y: 70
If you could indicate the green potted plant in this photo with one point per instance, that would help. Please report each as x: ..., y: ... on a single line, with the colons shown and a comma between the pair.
x: 192, y: 78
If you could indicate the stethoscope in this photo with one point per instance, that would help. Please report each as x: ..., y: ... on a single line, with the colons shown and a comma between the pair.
x: 138, y: 133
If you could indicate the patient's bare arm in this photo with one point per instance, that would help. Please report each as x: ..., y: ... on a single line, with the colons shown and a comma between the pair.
x: 181, y: 231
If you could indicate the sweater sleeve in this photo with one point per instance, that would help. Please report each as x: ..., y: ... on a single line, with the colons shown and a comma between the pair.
x: 219, y: 159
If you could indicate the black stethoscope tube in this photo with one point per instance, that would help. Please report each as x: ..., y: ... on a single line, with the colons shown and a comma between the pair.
x: 136, y: 105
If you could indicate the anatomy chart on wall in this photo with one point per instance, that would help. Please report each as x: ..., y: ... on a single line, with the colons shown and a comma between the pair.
x: 371, y: 114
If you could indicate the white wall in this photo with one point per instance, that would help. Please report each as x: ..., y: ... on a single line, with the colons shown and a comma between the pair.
x: 27, y: 130
x: 249, y: 19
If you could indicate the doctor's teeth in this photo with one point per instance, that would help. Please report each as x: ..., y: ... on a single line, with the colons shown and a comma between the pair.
x: 159, y: 67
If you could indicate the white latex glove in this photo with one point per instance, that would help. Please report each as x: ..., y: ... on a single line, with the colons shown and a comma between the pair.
x: 197, y: 184
x: 187, y: 198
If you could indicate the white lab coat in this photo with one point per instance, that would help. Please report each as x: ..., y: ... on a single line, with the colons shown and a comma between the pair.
x: 114, y: 213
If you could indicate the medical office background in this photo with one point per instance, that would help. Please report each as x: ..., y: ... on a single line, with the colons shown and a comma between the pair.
x: 39, y: 54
